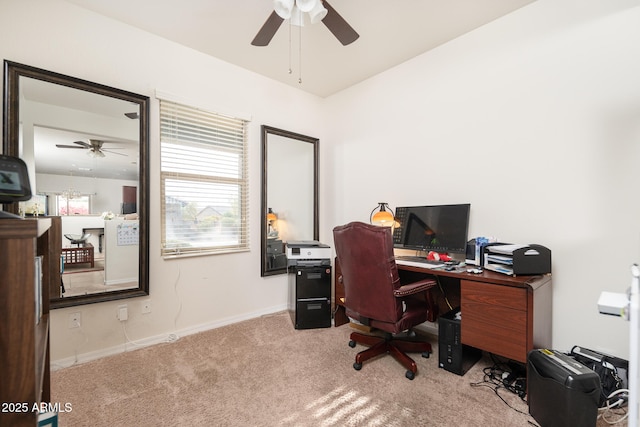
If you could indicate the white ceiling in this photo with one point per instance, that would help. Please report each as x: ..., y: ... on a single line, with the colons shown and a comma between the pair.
x: 121, y: 159
x: 391, y: 32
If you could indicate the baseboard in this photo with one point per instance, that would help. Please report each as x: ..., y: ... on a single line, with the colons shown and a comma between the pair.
x: 159, y: 339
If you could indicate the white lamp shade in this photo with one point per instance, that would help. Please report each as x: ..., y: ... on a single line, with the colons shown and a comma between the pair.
x: 283, y: 8
x: 318, y: 13
x: 306, y: 5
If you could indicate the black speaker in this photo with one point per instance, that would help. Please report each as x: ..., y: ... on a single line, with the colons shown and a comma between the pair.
x: 471, y: 250
x: 453, y: 356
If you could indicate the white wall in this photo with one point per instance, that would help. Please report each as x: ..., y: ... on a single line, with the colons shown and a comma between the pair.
x: 535, y: 120
x: 186, y: 295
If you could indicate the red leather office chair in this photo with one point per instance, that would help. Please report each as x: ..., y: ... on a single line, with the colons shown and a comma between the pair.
x: 375, y: 297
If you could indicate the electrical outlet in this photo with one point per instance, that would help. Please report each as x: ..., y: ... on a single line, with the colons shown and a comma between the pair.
x: 123, y: 313
x: 74, y: 320
x: 146, y: 306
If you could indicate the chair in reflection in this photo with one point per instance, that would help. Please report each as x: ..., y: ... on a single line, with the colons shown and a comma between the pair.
x: 375, y: 298
x: 81, y: 254
x: 77, y: 239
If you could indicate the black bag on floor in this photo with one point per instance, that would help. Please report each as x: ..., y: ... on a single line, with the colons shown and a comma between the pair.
x: 613, y: 371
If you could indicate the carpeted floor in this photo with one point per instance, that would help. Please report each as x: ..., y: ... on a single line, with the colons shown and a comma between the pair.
x: 263, y: 372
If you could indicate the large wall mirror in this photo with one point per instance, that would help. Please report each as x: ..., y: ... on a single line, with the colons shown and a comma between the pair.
x: 289, y: 194
x: 86, y: 147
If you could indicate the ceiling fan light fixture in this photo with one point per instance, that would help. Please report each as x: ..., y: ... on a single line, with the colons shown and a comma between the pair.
x: 307, y: 5
x: 95, y: 153
x: 318, y: 13
x: 283, y: 8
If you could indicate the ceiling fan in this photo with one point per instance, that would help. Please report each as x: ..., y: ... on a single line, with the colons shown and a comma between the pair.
x: 94, y: 146
x: 318, y: 10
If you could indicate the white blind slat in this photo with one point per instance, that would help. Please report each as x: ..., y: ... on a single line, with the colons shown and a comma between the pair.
x: 204, y: 181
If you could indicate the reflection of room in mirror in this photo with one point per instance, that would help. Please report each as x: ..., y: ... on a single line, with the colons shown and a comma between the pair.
x: 88, y: 284
x: 85, y: 145
x: 290, y: 190
x: 99, y: 262
x: 86, y: 280
x: 290, y: 185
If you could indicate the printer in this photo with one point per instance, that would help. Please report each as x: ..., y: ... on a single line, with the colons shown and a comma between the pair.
x: 308, y: 253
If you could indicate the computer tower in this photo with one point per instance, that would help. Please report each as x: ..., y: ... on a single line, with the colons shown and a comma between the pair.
x: 453, y: 356
x: 310, y: 296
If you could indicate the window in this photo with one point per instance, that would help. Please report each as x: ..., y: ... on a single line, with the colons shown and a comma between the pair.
x: 204, y: 183
x: 76, y: 205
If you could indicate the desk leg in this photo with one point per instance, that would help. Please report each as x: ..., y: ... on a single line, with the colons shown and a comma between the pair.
x: 432, y: 312
x: 340, y: 315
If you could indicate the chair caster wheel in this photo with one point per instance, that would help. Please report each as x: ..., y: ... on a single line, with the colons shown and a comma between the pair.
x: 357, y: 366
x: 426, y: 354
x: 410, y: 375
x: 352, y: 344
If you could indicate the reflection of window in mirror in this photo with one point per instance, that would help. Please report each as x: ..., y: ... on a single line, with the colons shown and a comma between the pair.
x: 79, y: 205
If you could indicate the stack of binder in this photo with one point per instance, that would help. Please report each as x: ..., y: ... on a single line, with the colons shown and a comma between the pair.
x: 515, y: 260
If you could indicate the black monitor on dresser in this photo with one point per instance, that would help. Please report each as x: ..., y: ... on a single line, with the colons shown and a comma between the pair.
x: 439, y: 228
x: 14, y: 182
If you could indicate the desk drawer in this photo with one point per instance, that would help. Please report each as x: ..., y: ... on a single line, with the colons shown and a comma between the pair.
x: 487, y: 293
x: 494, y: 318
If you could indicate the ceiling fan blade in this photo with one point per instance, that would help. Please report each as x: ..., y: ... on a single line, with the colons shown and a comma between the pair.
x: 338, y: 26
x: 268, y: 30
x: 106, y: 150
x: 69, y: 146
x: 84, y: 144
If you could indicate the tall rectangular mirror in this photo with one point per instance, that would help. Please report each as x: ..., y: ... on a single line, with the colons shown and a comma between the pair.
x: 289, y: 194
x: 85, y: 145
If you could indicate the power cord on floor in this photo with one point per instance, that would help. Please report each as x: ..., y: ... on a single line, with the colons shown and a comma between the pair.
x: 617, y: 408
x: 126, y: 336
x: 501, y: 377
x: 56, y: 366
x: 175, y: 337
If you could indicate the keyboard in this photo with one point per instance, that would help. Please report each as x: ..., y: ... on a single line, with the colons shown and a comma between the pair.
x: 417, y: 261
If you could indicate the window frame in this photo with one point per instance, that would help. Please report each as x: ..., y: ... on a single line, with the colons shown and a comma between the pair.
x: 171, y: 137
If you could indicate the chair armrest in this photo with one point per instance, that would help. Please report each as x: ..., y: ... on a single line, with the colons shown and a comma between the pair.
x: 414, y: 288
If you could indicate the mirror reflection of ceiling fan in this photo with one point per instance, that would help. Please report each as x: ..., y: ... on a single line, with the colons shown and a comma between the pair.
x: 318, y: 10
x: 94, y: 146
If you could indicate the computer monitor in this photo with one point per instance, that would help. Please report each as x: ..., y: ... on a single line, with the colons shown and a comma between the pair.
x: 440, y: 228
x: 14, y: 180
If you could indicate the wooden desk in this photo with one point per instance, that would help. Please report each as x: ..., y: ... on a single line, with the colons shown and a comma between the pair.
x: 504, y: 315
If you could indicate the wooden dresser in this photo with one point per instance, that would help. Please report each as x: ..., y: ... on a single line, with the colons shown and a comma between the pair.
x: 24, y: 314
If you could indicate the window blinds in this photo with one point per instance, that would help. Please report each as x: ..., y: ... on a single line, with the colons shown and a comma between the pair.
x: 204, y: 182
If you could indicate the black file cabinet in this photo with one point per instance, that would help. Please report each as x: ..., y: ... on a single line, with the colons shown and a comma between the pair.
x: 310, y: 296
x: 276, y: 257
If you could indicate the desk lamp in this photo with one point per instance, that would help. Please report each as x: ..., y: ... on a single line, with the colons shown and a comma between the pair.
x: 271, y: 216
x: 383, y: 217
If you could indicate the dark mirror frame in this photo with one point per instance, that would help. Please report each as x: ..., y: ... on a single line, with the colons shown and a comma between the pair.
x: 266, y: 131
x: 11, y: 126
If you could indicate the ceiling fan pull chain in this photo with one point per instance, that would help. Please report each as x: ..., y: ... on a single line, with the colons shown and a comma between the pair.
x: 290, y: 72
x: 300, y: 55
